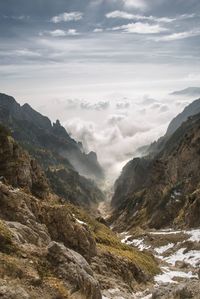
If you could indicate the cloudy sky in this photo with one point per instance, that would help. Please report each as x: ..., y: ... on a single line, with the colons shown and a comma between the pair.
x: 104, y: 67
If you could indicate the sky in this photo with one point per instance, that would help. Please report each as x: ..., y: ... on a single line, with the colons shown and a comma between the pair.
x: 105, y: 68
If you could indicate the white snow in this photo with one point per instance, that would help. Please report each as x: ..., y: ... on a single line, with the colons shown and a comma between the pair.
x: 79, y: 221
x: 147, y: 297
x: 195, y: 235
x: 175, y: 193
x: 163, y: 249
x: 166, y: 232
x: 124, y: 240
x: 139, y: 243
x: 168, y: 275
x: 191, y: 257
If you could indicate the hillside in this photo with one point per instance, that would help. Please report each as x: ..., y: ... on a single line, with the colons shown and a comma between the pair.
x: 163, y: 190
x: 36, y: 131
x: 61, y: 157
x: 52, y: 249
x: 157, y: 146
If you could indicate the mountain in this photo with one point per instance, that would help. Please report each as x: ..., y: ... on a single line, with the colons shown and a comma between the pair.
x: 190, y: 91
x: 53, y: 249
x: 157, y: 146
x: 33, y: 129
x: 162, y: 190
x: 191, y: 109
x: 70, y: 171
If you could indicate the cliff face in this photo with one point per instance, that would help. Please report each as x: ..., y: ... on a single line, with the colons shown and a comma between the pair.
x: 35, y: 130
x: 164, y: 190
x: 52, y: 249
x: 58, y: 154
x: 18, y: 169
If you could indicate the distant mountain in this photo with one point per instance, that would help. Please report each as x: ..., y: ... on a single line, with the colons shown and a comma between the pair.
x: 61, y: 157
x: 190, y: 91
x: 157, y: 146
x: 162, y: 190
x: 192, y: 109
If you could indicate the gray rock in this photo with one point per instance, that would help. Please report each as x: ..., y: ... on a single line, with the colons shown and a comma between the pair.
x: 182, y: 292
x: 8, y: 291
x: 74, y: 270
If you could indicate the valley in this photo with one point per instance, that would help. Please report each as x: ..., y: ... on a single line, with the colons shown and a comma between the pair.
x: 63, y: 236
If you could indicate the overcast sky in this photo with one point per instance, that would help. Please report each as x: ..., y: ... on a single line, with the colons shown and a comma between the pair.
x: 104, y: 67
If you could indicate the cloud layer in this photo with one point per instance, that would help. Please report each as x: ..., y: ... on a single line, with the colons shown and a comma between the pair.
x: 90, y: 63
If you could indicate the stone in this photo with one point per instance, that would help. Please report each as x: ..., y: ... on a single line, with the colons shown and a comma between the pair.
x: 74, y: 269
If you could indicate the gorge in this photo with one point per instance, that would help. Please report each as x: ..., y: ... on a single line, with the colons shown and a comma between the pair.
x: 60, y: 237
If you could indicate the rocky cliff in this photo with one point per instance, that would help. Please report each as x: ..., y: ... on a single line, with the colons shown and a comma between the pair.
x: 52, y: 249
x: 61, y: 157
x: 157, y: 146
x: 35, y: 130
x: 163, y: 190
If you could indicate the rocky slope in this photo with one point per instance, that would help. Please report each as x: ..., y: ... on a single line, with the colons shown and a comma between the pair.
x: 60, y: 156
x: 52, y: 249
x: 157, y: 146
x: 163, y: 190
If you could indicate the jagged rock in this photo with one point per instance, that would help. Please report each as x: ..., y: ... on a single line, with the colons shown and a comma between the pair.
x: 73, y: 268
x: 38, y: 235
x: 18, y: 169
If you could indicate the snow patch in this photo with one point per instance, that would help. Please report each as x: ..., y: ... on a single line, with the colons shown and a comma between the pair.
x: 162, y: 249
x: 168, y: 275
x: 139, y: 243
x: 191, y: 257
x: 195, y: 235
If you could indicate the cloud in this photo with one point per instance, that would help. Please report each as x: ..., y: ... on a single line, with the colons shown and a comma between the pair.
x: 122, y: 105
x: 115, y: 140
x: 72, y: 32
x: 148, y: 101
x: 99, y: 106
x: 141, y: 28
x: 138, y: 4
x: 117, y: 14
x: 164, y: 108
x: 26, y: 53
x: 67, y: 17
x: 179, y: 35
x: 97, y: 30
x: 57, y: 33
x: 60, y: 33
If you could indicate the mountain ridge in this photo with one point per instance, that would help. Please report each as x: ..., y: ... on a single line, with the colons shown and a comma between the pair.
x: 162, y: 190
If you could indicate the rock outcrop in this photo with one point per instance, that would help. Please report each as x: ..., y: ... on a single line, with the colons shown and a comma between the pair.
x: 18, y: 169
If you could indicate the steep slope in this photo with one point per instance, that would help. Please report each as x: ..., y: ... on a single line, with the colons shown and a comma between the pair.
x: 164, y: 190
x: 60, y: 156
x: 191, y: 109
x: 35, y: 130
x: 52, y: 249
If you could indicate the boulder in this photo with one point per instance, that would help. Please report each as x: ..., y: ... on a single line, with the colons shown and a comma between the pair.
x: 74, y: 270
